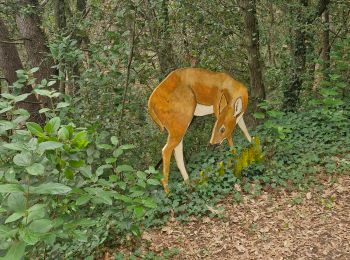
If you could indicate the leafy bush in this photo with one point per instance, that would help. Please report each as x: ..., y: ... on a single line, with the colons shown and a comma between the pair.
x: 62, y: 182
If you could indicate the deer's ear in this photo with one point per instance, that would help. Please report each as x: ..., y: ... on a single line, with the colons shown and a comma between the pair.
x: 238, y: 106
x: 222, y: 102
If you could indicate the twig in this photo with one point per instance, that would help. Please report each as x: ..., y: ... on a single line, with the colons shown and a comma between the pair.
x: 10, y: 42
x: 130, y: 58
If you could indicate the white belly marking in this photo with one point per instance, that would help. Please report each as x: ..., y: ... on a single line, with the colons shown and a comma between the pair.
x: 202, y: 110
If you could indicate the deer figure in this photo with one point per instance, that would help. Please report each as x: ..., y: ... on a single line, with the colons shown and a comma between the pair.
x: 189, y: 92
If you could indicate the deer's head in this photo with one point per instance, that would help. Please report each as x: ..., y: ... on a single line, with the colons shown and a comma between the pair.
x: 229, y: 116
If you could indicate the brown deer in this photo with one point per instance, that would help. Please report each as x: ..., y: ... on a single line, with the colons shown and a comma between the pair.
x: 189, y: 92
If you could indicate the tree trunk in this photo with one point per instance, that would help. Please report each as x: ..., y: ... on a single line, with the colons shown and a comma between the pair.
x: 9, y: 64
x: 291, y: 93
x: 166, y: 54
x: 60, y: 14
x: 160, y: 36
x: 326, y: 48
x: 28, y: 24
x: 252, y: 42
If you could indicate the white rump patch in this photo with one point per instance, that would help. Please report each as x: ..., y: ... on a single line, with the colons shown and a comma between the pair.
x: 202, y: 110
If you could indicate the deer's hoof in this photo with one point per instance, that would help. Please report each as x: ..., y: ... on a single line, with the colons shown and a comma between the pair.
x: 165, y: 186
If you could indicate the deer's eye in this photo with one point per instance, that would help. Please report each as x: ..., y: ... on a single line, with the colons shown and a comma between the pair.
x: 222, y: 130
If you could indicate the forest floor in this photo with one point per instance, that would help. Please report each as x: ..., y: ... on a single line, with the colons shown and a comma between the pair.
x: 274, y: 225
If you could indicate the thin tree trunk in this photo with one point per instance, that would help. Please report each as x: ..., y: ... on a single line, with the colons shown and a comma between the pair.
x: 166, y: 57
x: 35, y: 42
x: 326, y: 48
x: 60, y: 14
x: 291, y: 94
x: 9, y: 64
x: 160, y: 36
x: 252, y: 43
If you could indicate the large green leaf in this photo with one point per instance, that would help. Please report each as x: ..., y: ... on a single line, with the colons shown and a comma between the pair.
x: 5, y: 188
x: 15, y: 216
x: 49, y: 145
x: 14, y: 146
x: 28, y: 236
x: 53, y: 125
x: 16, y: 251
x: 41, y: 225
x: 23, y: 159
x: 22, y: 97
x: 17, y: 202
x: 36, y: 169
x: 36, y: 211
x: 6, y: 231
x: 35, y: 129
x: 50, y: 188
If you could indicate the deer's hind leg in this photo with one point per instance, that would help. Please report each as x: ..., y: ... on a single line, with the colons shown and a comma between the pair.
x: 179, y: 116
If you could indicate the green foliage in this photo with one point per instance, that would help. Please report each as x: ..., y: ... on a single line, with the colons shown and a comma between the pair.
x: 54, y: 178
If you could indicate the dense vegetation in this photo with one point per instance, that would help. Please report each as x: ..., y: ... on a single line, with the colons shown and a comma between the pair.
x: 78, y: 149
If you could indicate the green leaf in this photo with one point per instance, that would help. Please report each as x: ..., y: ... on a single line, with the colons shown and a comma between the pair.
x: 23, y: 159
x: 22, y: 97
x: 36, y: 169
x: 127, y: 146
x: 135, y: 230
x: 5, y: 188
x: 6, y: 125
x: 83, y: 200
x: 69, y: 174
x: 76, y: 163
x: 259, y: 115
x: 14, y: 146
x: 153, y: 182
x: 111, y: 160
x: 117, y: 152
x: 114, y: 140
x: 43, y: 110
x: 6, y: 231
x: 15, y: 216
x: 53, y: 125
x: 63, y: 134
x: 4, y: 110
x: 17, y: 202
x: 51, y: 188
x: 100, y: 169
x: 8, y: 96
x: 138, y: 212
x: 149, y: 203
x: 104, y: 146
x: 50, y: 145
x: 141, y: 175
x: 62, y: 105
x: 35, y: 129
x: 80, y: 139
x: 33, y: 70
x: 16, y: 251
x: 52, y: 82
x: 41, y: 225
x: 36, y: 211
x: 29, y: 236
x: 124, y: 168
x: 43, y: 92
